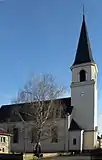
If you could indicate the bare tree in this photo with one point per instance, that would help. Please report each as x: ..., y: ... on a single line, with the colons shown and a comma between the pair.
x: 40, y: 94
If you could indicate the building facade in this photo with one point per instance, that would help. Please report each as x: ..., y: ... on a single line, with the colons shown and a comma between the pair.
x: 78, y: 129
x: 84, y: 90
x: 5, y: 141
x: 23, y: 140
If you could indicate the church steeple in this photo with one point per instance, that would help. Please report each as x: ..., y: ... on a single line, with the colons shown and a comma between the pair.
x: 84, y: 53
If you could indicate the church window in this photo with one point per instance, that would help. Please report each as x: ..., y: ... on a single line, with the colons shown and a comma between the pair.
x: 3, y: 150
x: 74, y: 141
x: 82, y: 75
x: 54, y: 134
x: 15, y: 135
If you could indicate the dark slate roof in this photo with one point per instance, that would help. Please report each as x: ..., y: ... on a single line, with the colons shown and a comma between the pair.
x: 74, y: 126
x: 3, y: 132
x: 98, y: 137
x: 84, y: 53
x: 7, y: 111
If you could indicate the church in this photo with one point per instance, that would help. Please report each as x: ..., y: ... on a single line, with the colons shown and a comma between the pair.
x: 78, y: 131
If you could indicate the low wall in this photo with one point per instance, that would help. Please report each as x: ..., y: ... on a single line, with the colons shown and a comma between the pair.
x: 11, y: 157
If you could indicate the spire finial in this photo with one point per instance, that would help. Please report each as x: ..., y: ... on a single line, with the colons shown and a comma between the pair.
x: 83, y: 12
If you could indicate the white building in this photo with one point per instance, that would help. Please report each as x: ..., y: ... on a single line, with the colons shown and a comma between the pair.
x: 5, y: 141
x: 81, y: 106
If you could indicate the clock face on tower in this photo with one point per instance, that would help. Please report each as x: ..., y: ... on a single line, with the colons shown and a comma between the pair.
x: 82, y: 93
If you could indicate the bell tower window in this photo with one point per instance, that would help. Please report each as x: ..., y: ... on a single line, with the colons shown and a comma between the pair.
x: 82, y: 75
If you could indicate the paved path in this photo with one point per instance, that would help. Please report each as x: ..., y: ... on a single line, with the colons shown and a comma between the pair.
x: 52, y: 156
x: 71, y: 158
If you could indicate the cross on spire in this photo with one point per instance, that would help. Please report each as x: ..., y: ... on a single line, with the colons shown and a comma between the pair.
x: 83, y: 12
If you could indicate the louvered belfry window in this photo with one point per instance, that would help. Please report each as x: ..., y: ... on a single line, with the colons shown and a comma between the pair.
x: 82, y: 75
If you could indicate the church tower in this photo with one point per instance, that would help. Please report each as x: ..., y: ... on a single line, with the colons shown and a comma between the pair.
x: 84, y: 87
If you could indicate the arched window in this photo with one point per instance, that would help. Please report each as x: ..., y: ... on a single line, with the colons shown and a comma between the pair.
x: 82, y: 75
x: 74, y: 141
x: 15, y: 135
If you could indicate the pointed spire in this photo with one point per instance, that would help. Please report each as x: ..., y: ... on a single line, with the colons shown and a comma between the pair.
x: 84, y: 53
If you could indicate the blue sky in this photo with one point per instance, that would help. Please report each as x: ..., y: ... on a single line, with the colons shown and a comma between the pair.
x: 40, y: 36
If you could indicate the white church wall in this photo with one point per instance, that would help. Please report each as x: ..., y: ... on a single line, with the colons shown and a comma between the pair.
x: 90, y: 141
x: 95, y: 106
x: 24, y: 141
x: 91, y: 71
x: 84, y: 95
x: 75, y: 136
x: 76, y: 70
x: 94, y: 72
x: 82, y: 98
